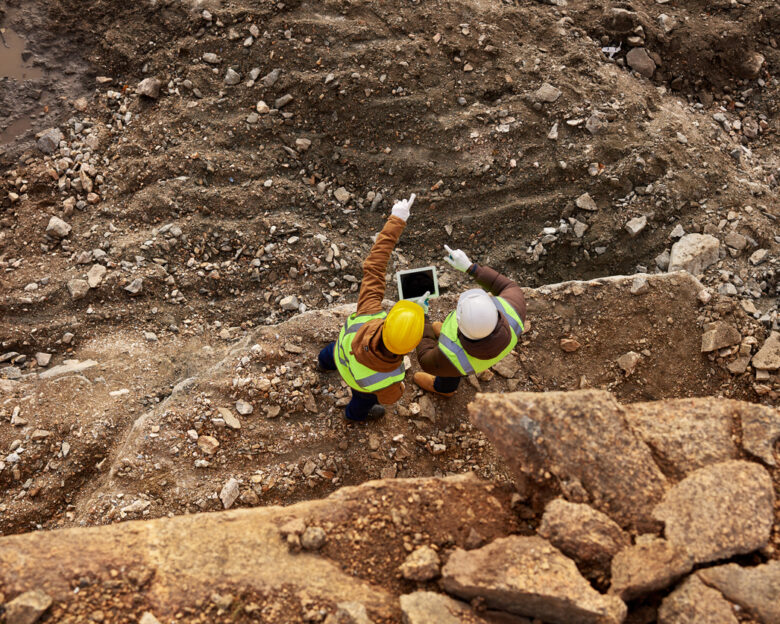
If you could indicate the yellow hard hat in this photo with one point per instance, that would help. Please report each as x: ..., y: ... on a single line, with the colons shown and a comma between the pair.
x: 403, y: 327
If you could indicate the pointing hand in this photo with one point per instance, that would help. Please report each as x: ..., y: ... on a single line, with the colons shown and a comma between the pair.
x: 457, y: 259
x: 401, y: 208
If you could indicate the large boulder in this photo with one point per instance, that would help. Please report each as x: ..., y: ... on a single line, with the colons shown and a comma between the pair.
x: 757, y: 589
x: 760, y: 430
x: 27, y: 608
x: 648, y: 566
x: 719, y: 511
x: 685, y: 434
x: 424, y: 607
x: 586, y: 535
x: 529, y: 577
x: 695, y: 603
x: 580, y: 437
x: 694, y: 253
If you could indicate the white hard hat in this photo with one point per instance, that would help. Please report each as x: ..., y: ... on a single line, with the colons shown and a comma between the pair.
x: 477, y: 315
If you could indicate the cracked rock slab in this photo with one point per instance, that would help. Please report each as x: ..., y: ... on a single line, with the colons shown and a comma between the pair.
x: 719, y: 511
x: 528, y: 576
x: 756, y: 590
x: 580, y: 436
x: 695, y: 603
x: 424, y: 607
x: 685, y: 434
x: 582, y: 533
x: 648, y: 566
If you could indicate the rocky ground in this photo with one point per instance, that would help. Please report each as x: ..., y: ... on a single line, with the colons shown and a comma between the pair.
x: 188, y: 190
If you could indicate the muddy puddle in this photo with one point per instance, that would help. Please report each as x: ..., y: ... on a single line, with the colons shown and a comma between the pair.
x: 14, y: 59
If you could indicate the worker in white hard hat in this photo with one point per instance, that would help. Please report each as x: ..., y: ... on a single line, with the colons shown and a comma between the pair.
x: 479, y: 333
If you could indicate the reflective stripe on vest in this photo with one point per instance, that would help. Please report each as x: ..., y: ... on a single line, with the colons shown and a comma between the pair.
x: 467, y: 364
x: 359, y: 376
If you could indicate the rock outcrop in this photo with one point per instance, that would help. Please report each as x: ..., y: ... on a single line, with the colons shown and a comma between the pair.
x: 530, y: 577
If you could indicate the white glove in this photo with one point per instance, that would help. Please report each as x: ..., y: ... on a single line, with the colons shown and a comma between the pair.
x: 401, y: 208
x: 457, y: 259
x: 423, y: 301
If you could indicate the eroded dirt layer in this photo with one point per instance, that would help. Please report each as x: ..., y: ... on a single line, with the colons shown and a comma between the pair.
x: 224, y: 206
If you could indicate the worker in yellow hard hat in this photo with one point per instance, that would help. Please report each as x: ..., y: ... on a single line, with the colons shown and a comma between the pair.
x: 369, y: 352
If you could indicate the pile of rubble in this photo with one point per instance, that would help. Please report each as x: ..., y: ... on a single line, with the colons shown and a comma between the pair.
x: 628, y: 501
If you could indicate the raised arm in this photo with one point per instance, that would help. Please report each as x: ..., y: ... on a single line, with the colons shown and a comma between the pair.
x: 372, y: 286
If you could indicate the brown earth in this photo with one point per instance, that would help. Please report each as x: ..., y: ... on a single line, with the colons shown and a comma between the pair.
x: 222, y: 212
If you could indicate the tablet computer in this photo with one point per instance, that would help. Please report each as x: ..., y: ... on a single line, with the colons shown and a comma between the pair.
x: 414, y: 283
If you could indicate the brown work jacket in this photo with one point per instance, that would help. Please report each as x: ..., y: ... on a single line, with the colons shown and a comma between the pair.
x: 432, y: 359
x: 367, y: 344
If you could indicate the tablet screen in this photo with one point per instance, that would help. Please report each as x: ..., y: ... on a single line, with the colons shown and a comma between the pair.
x: 416, y: 283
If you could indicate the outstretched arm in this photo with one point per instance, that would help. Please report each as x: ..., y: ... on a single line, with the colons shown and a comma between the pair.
x: 372, y: 286
x: 490, y: 279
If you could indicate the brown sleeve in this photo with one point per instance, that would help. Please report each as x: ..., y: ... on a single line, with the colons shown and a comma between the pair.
x: 500, y: 286
x: 391, y: 394
x: 431, y: 358
x: 372, y: 286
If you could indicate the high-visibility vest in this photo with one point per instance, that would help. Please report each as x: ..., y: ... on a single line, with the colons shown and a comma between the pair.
x: 357, y: 375
x: 450, y: 344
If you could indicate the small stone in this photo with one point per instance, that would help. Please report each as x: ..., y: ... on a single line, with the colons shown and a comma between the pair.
x: 208, y: 444
x: 718, y: 336
x: 229, y: 493
x: 736, y: 241
x: 759, y: 257
x: 546, y: 93
x: 421, y: 565
x: 269, y: 80
x: 135, y: 286
x: 595, y: 124
x: 628, y: 362
x: 313, y: 538
x: 342, y: 195
x: 636, y: 225
x: 232, y: 77
x: 283, y: 101
x: 78, y: 288
x: 49, y: 140
x: 149, y: 87
x: 585, y: 202
x: 27, y: 608
x: 349, y: 613
x: 569, y: 345
x: 289, y: 303
x: 694, y: 253
x: 640, y: 285
x: 507, y: 367
x: 244, y: 408
x: 302, y: 145
x: 95, y: 275
x: 639, y: 60
x: 230, y: 420
x: 57, y: 228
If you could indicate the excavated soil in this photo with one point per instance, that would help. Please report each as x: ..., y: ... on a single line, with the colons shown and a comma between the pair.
x: 223, y: 211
